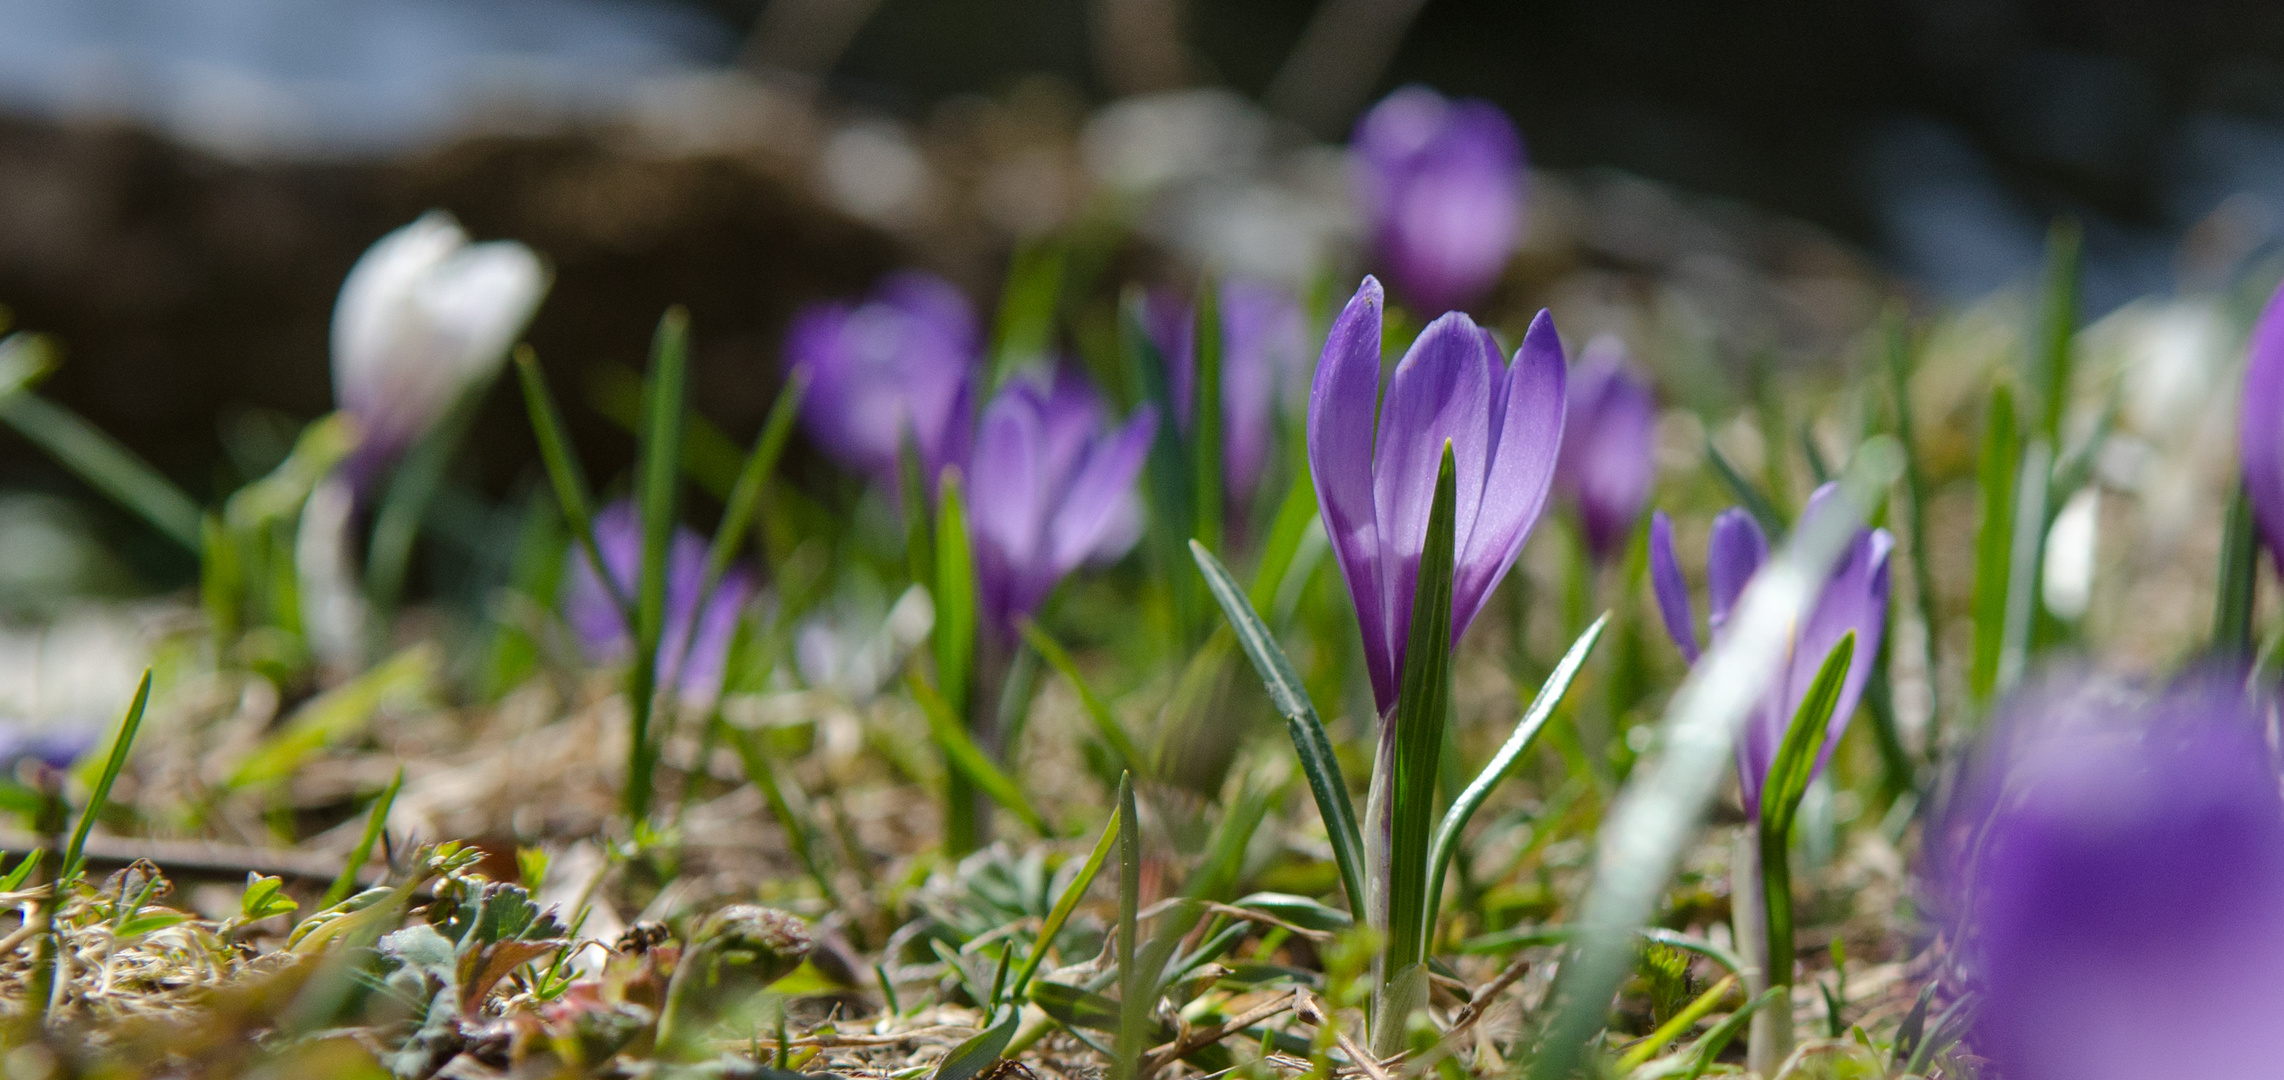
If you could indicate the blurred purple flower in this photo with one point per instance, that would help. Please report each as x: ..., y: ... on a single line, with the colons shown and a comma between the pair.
x: 907, y: 356
x: 1049, y: 489
x: 423, y: 315
x: 1504, y: 424
x: 603, y: 633
x: 1441, y: 184
x: 55, y: 747
x: 1608, y: 459
x: 1264, y: 344
x: 1854, y: 598
x: 2260, y: 424
x: 2111, y: 871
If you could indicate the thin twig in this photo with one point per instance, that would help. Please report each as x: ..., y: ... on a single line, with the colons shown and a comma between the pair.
x: 1235, y: 912
x: 1312, y: 1012
x: 1478, y: 1004
x: 1207, y: 1036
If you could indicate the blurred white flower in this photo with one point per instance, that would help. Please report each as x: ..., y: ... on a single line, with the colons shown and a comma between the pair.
x: 423, y: 315
x: 2069, y: 568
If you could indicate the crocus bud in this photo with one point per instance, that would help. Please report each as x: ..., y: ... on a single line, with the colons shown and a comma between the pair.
x: 904, y: 361
x: 1504, y: 424
x: 1051, y: 487
x: 1854, y: 599
x: 697, y: 659
x: 2260, y: 425
x: 1264, y: 347
x: 736, y: 953
x: 422, y: 316
x: 1441, y: 187
x: 2109, y: 870
x: 1608, y: 446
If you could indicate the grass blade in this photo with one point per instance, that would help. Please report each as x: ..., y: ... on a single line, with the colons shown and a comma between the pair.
x: 965, y: 757
x: 955, y: 594
x: 743, y: 503
x: 2027, y: 552
x: 1899, y: 370
x: 2240, y: 577
x: 800, y: 833
x: 1283, y: 545
x: 1069, y: 901
x: 1755, y: 503
x: 104, y: 462
x: 120, y: 745
x: 1133, y: 1013
x: 1787, y: 782
x: 1654, y: 816
x: 1673, y: 1029
x: 564, y: 474
x: 1105, y: 724
x: 1292, y: 701
x: 1423, y: 702
x: 660, y: 483
x: 410, y: 491
x: 376, y: 820
x: 952, y: 588
x: 1519, y: 742
x: 2000, y: 465
x: 2059, y: 326
x: 979, y: 1052
x: 1205, y: 418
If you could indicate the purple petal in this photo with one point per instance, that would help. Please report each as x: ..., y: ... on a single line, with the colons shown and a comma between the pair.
x: 587, y: 605
x: 2260, y: 424
x: 1100, y: 492
x: 1672, y: 589
x: 1343, y: 401
x: 1007, y: 502
x: 900, y: 360
x: 2114, y: 874
x: 1439, y: 395
x: 1263, y: 333
x: 700, y: 658
x: 1441, y: 184
x: 1733, y: 554
x: 1528, y: 414
x: 1172, y: 327
x: 1855, y: 599
x: 1608, y: 446
x: 1071, y: 415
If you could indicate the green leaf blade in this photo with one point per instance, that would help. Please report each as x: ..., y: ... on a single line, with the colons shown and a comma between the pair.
x: 1291, y: 700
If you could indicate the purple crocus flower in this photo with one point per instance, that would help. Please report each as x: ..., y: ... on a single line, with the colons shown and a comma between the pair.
x: 1263, y: 336
x: 603, y: 635
x: 1504, y: 425
x: 1049, y: 489
x: 1854, y: 598
x: 907, y: 357
x: 2110, y: 871
x: 2260, y: 425
x: 1441, y: 185
x: 1608, y: 434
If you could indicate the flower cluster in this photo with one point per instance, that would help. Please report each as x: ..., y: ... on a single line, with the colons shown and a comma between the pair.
x: 1051, y: 479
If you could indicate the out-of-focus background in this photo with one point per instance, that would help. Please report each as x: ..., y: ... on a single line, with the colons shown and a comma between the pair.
x: 183, y: 183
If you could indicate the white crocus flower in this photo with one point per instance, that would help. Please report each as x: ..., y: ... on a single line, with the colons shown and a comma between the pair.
x: 423, y: 315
